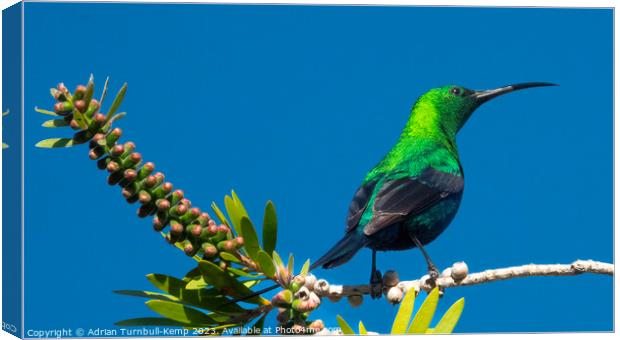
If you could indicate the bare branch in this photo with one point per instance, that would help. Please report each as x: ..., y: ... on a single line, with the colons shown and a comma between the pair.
x: 446, y: 281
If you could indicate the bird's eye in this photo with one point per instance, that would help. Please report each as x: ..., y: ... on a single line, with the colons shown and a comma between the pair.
x: 455, y: 91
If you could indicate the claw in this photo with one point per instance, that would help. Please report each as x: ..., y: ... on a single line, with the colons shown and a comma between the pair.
x: 376, y: 285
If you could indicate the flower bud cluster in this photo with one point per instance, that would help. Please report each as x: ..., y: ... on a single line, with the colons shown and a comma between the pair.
x: 189, y: 227
x: 296, y: 302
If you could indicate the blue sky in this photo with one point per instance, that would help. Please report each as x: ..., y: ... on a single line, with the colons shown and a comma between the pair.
x: 295, y: 104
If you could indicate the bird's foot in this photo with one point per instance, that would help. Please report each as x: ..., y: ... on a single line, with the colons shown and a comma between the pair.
x: 433, y: 274
x: 376, y: 285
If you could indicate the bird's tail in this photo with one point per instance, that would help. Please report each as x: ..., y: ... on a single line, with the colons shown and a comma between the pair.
x: 342, y: 251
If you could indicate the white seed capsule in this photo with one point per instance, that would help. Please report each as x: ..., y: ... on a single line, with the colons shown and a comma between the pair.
x: 355, y: 300
x: 390, y: 278
x: 315, y: 298
x: 302, y: 294
x: 394, y: 295
x: 446, y: 272
x: 321, y: 287
x: 459, y: 271
x: 310, y: 281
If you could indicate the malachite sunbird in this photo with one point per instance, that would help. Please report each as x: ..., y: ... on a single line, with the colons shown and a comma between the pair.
x: 414, y: 192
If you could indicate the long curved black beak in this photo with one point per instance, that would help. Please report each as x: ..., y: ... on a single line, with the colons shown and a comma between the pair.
x: 486, y: 95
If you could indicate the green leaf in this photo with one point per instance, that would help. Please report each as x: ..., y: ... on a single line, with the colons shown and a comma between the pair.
x: 229, y: 257
x: 240, y: 272
x: 209, y: 299
x: 149, y: 322
x: 424, y: 316
x: 105, y: 90
x: 266, y: 263
x: 168, y: 284
x: 45, y: 112
x: 193, y: 274
x: 5, y: 113
x: 305, y: 268
x: 198, y: 283
x: 250, y: 238
x: 56, y: 143
x: 79, y: 117
x: 220, y: 215
x: 90, y: 90
x: 147, y: 294
x: 344, y: 326
x: 401, y: 321
x: 4, y: 145
x: 291, y: 263
x: 362, y: 328
x: 451, y: 318
x: 277, y: 259
x: 116, y: 117
x: 270, y: 228
x: 240, y: 207
x: 117, y: 102
x: 180, y: 313
x: 217, y: 277
x: 54, y: 123
x: 235, y: 218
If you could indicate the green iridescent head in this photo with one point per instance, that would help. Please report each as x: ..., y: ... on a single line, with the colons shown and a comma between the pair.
x: 449, y: 107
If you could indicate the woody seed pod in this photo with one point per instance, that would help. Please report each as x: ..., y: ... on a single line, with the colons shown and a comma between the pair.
x: 355, y: 300
x: 390, y: 278
x: 394, y: 295
x: 459, y: 271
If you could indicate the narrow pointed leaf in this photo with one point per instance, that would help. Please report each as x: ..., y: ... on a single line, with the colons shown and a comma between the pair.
x: 168, y: 284
x: 235, y: 218
x: 115, y: 118
x: 270, y: 228
x: 90, y: 90
x: 344, y: 326
x: 105, y: 90
x: 5, y: 113
x: 424, y: 316
x: 220, y: 215
x: 277, y: 259
x: 150, y: 322
x: 4, y: 145
x: 362, y: 328
x: 451, y: 318
x: 198, y: 283
x: 240, y: 272
x: 266, y: 263
x: 229, y: 257
x: 147, y: 294
x: 54, y: 123
x: 240, y: 207
x: 305, y: 268
x: 403, y: 316
x: 214, y: 275
x: 180, y: 313
x: 250, y: 238
x: 291, y: 263
x: 46, y: 112
x: 55, y: 143
x: 117, y: 102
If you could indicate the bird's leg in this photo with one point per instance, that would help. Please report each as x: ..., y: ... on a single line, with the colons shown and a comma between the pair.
x: 375, y: 278
x: 432, y: 269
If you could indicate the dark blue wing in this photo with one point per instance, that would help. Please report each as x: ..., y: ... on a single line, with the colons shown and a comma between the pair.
x: 407, y: 196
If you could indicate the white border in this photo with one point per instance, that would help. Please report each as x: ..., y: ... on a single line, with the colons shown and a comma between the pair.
x: 497, y: 3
